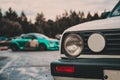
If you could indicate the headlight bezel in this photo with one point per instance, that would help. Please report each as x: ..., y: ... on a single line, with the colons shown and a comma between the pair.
x: 80, y: 42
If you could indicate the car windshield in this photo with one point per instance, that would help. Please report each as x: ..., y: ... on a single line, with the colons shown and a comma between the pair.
x: 116, y: 11
x: 42, y: 36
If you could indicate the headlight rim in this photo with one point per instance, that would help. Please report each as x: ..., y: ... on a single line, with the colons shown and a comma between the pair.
x: 80, y: 37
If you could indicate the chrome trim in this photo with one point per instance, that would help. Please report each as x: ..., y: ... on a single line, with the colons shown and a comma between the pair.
x: 77, y: 48
x: 94, y: 56
x: 70, y: 78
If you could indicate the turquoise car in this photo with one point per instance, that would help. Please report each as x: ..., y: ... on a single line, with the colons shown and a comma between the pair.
x: 34, y: 41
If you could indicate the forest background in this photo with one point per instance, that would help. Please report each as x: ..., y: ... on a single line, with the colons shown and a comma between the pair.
x: 12, y: 25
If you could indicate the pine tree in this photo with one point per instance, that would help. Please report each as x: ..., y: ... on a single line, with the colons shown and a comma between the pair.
x: 11, y: 15
x: 40, y: 22
x: 96, y: 16
x: 0, y: 14
x: 89, y: 17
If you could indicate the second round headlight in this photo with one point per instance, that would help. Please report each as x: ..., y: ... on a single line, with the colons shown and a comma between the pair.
x: 73, y: 45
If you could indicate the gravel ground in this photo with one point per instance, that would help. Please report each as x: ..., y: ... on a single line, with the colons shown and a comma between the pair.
x: 4, y: 61
x: 27, y: 73
x: 28, y: 65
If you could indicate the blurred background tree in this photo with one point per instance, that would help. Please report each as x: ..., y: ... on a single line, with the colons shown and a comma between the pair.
x: 12, y: 25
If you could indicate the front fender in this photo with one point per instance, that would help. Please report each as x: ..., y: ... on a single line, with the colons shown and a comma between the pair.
x: 11, y: 43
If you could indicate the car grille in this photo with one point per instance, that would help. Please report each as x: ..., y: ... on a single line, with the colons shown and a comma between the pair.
x: 112, y: 41
x: 57, y: 43
x: 112, y: 38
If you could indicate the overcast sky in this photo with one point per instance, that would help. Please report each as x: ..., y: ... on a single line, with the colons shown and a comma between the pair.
x: 51, y: 8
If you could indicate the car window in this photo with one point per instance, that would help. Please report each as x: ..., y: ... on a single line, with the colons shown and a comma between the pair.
x: 27, y: 37
x: 42, y: 36
x: 116, y: 12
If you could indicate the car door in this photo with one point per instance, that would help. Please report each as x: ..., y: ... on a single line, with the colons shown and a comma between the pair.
x: 24, y: 41
x: 27, y: 41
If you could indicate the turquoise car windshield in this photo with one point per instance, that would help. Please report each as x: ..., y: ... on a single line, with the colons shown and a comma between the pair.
x: 42, y: 36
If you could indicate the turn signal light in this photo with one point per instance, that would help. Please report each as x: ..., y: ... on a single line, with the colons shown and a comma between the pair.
x: 66, y: 69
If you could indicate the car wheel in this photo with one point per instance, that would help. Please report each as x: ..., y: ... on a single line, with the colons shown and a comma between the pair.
x: 14, y: 47
x: 42, y: 47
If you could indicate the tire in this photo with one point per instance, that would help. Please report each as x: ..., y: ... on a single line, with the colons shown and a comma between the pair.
x: 14, y: 47
x: 42, y: 47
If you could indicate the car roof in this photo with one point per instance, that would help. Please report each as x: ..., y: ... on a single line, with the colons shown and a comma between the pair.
x: 35, y: 34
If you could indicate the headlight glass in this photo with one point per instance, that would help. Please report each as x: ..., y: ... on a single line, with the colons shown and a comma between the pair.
x: 73, y: 45
x: 96, y: 42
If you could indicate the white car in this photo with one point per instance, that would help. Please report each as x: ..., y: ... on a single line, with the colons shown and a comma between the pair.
x: 90, y: 51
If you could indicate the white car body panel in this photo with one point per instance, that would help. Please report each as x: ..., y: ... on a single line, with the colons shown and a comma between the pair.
x: 109, y: 23
x: 112, y: 74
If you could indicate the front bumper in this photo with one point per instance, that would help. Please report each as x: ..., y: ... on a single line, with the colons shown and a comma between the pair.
x: 71, y: 78
x: 86, y: 69
x: 53, y: 47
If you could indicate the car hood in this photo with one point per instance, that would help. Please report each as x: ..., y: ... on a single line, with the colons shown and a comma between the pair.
x: 52, y: 39
x: 109, y: 23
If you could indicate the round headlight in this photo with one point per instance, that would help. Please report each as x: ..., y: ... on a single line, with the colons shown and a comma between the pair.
x: 96, y: 42
x: 73, y: 45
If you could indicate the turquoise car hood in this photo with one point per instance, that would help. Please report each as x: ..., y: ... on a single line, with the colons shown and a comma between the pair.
x: 52, y: 39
